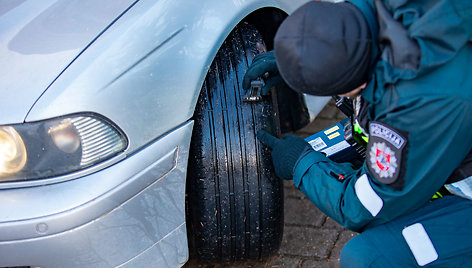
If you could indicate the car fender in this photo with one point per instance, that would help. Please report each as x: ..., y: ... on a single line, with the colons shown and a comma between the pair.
x: 146, y: 71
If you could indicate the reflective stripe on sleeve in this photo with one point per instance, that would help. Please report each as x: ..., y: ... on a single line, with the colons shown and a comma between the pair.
x: 368, y: 197
x: 420, y: 244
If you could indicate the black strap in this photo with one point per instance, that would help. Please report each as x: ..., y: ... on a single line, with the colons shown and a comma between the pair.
x: 463, y: 171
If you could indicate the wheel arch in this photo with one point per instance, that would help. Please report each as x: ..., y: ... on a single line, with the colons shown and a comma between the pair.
x: 266, y: 20
x: 294, y: 111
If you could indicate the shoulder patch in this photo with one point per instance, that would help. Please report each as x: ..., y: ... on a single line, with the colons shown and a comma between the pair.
x: 386, y: 154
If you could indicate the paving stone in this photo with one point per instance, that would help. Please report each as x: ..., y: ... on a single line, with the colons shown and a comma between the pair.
x: 340, y: 116
x: 308, y: 242
x: 288, y: 184
x: 303, y: 212
x: 290, y: 191
x: 331, y: 224
x: 329, y: 111
x: 319, y: 264
x: 280, y: 262
x: 317, y: 126
x: 343, y: 238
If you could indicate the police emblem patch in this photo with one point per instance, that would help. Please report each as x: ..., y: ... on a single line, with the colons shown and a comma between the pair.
x: 387, y: 153
x: 383, y: 160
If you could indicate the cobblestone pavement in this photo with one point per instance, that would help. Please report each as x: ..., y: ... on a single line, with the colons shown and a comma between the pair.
x: 310, y: 239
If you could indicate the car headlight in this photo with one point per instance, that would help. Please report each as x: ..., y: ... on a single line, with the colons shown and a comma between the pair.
x: 57, y: 146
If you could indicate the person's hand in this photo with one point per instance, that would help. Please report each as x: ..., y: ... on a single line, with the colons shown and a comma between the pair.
x: 285, y: 152
x: 262, y: 64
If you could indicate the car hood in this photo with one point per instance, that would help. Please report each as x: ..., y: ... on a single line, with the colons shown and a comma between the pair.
x: 39, y: 40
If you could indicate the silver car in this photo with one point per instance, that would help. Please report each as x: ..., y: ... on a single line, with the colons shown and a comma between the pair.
x: 120, y: 119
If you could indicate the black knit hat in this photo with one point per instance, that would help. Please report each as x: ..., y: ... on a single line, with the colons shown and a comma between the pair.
x: 324, y: 48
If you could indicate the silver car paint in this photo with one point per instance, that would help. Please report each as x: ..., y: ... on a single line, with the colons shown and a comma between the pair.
x: 154, y: 60
x: 133, y: 212
x: 38, y: 40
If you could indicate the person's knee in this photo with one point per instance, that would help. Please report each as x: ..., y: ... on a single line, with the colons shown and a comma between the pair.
x: 357, y: 253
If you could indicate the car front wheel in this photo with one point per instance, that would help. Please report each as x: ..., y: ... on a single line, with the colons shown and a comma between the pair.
x: 234, y: 199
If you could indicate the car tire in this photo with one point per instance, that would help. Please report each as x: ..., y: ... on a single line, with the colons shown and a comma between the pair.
x: 234, y: 199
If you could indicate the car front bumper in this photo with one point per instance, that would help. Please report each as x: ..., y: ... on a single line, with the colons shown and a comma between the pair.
x: 131, y: 214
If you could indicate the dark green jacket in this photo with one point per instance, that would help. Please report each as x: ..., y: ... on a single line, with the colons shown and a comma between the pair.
x: 421, y: 116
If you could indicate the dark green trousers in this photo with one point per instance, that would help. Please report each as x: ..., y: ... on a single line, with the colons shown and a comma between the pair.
x: 437, y: 235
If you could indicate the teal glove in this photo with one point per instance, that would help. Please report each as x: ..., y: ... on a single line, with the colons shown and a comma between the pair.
x: 261, y: 64
x: 286, y: 152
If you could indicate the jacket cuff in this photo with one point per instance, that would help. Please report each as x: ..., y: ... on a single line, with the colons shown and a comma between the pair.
x: 304, y: 163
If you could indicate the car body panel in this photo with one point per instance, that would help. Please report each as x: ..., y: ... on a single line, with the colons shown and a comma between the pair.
x: 104, y: 219
x: 39, y: 39
x: 150, y: 60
